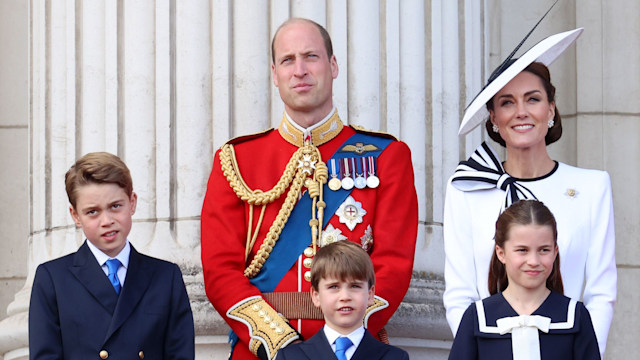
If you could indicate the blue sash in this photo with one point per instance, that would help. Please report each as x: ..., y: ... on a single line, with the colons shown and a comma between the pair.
x: 296, y: 235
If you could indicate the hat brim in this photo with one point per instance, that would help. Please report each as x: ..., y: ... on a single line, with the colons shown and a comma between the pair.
x: 546, y: 52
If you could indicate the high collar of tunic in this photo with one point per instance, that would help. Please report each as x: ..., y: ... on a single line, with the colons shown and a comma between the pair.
x: 317, y: 134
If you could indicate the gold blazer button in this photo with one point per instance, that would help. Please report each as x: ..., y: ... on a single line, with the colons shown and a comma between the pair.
x: 104, y: 354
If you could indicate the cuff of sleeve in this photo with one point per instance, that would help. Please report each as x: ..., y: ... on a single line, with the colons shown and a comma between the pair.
x: 267, y: 328
x: 378, y: 304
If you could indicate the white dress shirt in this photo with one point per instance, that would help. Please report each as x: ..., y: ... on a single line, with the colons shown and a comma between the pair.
x: 355, y: 337
x: 102, y: 258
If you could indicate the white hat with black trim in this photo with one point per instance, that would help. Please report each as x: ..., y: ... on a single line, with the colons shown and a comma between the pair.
x: 546, y: 51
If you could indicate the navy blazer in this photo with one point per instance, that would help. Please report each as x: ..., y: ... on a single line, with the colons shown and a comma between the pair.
x: 318, y: 348
x: 76, y: 314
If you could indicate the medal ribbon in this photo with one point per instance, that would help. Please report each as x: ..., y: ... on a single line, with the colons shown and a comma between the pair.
x: 360, y: 178
x: 334, y: 172
x: 372, y: 165
x: 364, y: 166
x: 295, y: 235
x: 347, y: 172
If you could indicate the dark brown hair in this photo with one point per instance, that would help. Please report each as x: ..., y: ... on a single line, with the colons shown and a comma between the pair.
x: 323, y: 32
x: 97, y: 168
x: 555, y: 132
x: 523, y: 212
x: 343, y: 260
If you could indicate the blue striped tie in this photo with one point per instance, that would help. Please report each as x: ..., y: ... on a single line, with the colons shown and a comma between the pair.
x: 114, y: 265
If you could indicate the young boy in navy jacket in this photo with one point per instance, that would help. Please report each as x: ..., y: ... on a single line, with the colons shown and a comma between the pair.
x: 342, y: 286
x: 107, y: 299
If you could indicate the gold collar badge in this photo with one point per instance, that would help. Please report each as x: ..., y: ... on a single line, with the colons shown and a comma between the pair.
x: 320, y: 135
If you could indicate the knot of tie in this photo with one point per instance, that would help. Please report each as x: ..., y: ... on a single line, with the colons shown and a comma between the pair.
x: 342, y: 344
x: 113, y: 265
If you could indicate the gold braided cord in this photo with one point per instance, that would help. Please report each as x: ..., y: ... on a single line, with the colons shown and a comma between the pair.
x: 231, y: 171
x: 320, y: 178
x: 298, y: 172
x: 247, y: 249
x: 276, y: 228
x: 252, y: 241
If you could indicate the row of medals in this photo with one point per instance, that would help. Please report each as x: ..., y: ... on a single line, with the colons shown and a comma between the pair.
x: 348, y: 173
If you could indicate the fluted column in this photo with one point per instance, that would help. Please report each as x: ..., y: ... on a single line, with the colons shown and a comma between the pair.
x: 103, y: 78
x: 607, y: 138
x: 363, y: 51
x: 14, y: 135
x: 164, y: 83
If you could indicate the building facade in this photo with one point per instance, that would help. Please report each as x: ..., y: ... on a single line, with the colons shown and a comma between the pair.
x: 164, y: 83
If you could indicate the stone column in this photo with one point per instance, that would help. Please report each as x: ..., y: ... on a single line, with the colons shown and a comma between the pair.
x: 607, y: 138
x: 134, y: 79
x: 164, y: 83
x: 14, y: 177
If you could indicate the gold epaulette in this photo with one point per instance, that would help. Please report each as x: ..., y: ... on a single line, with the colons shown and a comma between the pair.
x: 243, y: 138
x: 378, y: 304
x: 267, y: 328
x: 361, y: 129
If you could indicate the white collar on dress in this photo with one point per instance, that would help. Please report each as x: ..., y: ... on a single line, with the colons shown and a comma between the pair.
x: 483, y: 327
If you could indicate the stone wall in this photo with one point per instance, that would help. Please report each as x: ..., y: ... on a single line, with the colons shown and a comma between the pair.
x: 164, y: 83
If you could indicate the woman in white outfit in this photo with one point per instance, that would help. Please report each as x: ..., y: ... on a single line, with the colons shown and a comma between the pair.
x: 520, y: 111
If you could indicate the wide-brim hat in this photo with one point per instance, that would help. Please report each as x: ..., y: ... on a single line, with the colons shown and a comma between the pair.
x: 546, y: 52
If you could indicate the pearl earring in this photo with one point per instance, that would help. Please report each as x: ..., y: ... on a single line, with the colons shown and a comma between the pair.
x: 495, y: 128
x: 550, y: 123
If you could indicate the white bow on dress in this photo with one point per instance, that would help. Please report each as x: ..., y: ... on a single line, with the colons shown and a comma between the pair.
x: 525, y: 342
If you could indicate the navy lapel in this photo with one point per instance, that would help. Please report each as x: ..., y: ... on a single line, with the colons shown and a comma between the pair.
x: 318, y: 347
x: 370, y: 348
x: 136, y: 282
x: 87, y: 270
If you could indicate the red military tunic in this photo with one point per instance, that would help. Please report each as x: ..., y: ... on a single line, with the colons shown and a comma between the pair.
x: 391, y: 215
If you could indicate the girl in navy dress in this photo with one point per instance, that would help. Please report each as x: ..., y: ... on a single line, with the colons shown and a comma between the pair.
x: 527, y: 317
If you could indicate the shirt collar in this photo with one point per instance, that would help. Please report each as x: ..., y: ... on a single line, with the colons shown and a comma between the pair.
x: 355, y: 337
x: 102, y: 258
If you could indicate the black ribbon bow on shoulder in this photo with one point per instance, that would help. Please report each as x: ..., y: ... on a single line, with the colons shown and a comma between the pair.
x: 483, y: 170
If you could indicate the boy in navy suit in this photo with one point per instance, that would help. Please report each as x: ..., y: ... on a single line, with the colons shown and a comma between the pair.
x: 342, y: 286
x: 106, y: 299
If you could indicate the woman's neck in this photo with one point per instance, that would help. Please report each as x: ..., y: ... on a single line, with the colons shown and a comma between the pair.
x: 525, y: 301
x: 528, y: 163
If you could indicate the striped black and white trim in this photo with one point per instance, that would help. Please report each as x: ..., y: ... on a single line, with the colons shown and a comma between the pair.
x: 483, y: 170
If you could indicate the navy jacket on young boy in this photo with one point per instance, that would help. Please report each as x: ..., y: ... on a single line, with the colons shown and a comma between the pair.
x: 75, y: 312
x: 318, y: 348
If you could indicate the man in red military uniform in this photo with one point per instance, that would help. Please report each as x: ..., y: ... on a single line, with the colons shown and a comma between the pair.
x: 273, y: 198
